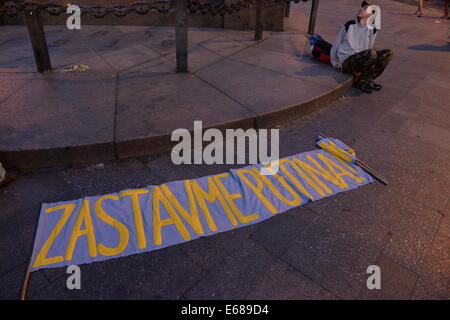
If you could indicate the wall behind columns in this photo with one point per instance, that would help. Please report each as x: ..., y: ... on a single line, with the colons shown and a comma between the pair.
x: 244, y: 19
x: 273, y: 16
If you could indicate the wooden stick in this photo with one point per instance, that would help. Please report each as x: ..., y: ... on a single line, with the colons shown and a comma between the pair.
x: 25, y: 284
x: 371, y: 171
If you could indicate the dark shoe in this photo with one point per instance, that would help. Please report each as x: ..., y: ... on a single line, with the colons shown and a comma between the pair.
x: 11, y: 174
x: 375, y: 86
x: 364, y: 87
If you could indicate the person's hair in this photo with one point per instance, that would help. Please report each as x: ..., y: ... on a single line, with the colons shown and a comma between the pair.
x: 363, y: 4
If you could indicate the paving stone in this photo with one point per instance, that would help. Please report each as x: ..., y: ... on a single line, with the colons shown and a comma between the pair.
x: 397, y: 282
x: 103, y: 39
x: 209, y: 252
x: 261, y: 96
x: 413, y: 237
x: 302, y: 67
x: 109, y: 177
x: 322, y: 271
x: 130, y: 56
x: 160, y: 274
x: 22, y: 65
x: 437, y: 261
x: 427, y: 132
x: 294, y: 46
x: 162, y: 40
x: 426, y: 289
x: 16, y: 239
x: 296, y: 137
x: 19, y: 57
x: 401, y: 71
x: 245, y: 37
x: 222, y: 46
x: 198, y: 35
x: 199, y: 58
x: 414, y: 107
x: 365, y: 213
x: 444, y: 226
x: 431, y: 90
x: 369, y: 144
x: 96, y: 63
x: 236, y: 276
x: 434, y: 277
x: 68, y: 47
x: 283, y: 282
x: 54, y: 100
x: 278, y: 233
x: 12, y: 83
x: 28, y: 191
x: 186, y: 92
x: 403, y: 154
x: 391, y: 121
x: 435, y: 189
x: 11, y: 283
x: 347, y: 251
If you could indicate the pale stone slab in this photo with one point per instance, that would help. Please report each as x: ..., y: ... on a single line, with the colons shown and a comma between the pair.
x: 259, y: 89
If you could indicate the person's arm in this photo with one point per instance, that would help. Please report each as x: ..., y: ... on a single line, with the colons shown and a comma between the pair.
x: 373, y: 36
x: 333, y: 54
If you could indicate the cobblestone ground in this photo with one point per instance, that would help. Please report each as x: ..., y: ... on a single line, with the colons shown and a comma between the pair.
x: 317, y: 251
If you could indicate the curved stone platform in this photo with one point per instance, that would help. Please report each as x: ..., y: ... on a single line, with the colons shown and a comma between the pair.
x: 130, y: 99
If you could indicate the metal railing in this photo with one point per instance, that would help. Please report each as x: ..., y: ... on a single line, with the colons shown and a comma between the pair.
x: 32, y: 12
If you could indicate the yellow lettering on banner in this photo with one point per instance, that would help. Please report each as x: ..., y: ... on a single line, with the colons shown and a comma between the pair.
x: 158, y: 223
x: 123, y: 231
x: 297, y: 199
x: 296, y: 166
x: 348, y: 166
x: 211, y: 196
x: 332, y: 165
x: 138, y: 220
x: 327, y: 175
x: 257, y: 189
x: 230, y: 199
x: 88, y: 231
x: 291, y: 177
x: 193, y: 219
x: 333, y: 145
x: 311, y: 172
x: 41, y: 259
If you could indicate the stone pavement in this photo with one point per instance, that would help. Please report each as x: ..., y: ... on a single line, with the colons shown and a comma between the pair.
x: 118, y: 107
x: 317, y: 251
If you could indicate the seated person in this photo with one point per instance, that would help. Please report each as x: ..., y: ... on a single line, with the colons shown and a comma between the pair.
x: 352, y: 51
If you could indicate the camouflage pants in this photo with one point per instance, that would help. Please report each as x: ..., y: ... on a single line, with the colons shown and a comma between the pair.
x: 370, y: 63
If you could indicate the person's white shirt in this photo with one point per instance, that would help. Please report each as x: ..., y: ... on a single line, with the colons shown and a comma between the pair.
x: 352, y: 38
